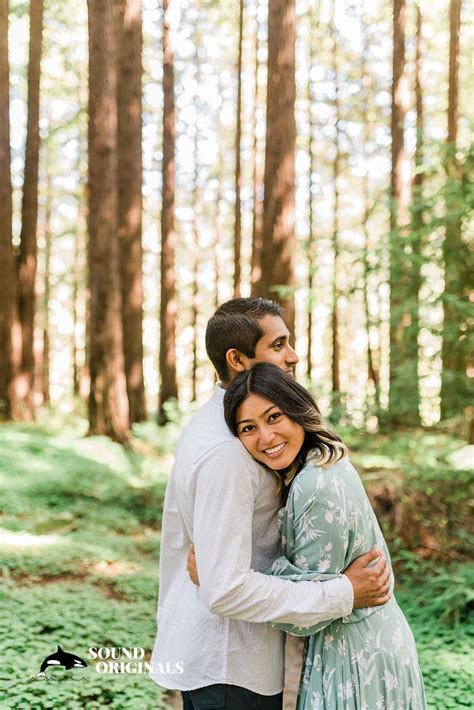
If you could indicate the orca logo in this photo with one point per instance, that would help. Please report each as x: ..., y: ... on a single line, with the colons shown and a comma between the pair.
x: 60, y: 658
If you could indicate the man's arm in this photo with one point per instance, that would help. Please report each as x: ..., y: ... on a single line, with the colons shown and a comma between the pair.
x: 223, y: 512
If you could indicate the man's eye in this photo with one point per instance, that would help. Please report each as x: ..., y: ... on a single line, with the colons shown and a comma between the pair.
x: 279, y: 345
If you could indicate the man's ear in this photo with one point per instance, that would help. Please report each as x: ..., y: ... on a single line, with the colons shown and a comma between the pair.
x: 236, y: 362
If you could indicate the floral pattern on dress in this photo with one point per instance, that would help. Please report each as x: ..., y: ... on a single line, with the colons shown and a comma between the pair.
x: 367, y: 660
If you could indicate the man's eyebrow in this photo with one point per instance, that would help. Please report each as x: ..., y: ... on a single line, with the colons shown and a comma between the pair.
x: 263, y: 414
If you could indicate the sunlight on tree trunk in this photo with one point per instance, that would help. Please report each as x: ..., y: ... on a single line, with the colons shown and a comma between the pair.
x: 8, y: 289
x: 278, y: 237
x: 108, y: 404
x: 129, y: 106
x: 404, y: 397
x: 29, y: 215
x: 238, y: 171
x: 168, y: 307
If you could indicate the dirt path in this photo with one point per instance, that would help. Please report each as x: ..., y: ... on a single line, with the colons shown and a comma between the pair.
x: 294, y: 649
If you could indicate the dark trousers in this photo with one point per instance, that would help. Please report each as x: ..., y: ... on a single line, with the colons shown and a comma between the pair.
x: 229, y: 697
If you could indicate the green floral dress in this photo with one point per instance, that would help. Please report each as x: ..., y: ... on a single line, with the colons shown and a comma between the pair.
x: 367, y: 660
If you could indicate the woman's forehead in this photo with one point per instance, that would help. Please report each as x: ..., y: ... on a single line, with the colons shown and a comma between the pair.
x: 253, y: 407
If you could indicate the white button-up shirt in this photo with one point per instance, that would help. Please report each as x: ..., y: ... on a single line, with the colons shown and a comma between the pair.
x: 220, y: 499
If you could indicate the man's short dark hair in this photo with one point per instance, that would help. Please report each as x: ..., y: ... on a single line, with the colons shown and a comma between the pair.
x: 236, y: 324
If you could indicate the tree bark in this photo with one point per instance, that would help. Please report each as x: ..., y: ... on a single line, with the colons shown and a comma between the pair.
x: 310, y: 254
x: 335, y: 362
x: 129, y: 103
x: 45, y: 364
x: 108, y: 405
x: 7, y: 265
x: 454, y: 387
x: 238, y: 171
x: 168, y: 306
x: 278, y: 237
x: 257, y: 177
x: 404, y: 395
x: 373, y: 355
x: 29, y: 215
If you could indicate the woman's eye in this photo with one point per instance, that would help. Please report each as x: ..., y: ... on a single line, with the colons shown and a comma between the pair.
x: 274, y: 416
x: 246, y: 429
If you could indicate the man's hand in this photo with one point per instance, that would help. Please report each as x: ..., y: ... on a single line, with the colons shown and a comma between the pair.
x: 371, y: 584
x: 191, y: 566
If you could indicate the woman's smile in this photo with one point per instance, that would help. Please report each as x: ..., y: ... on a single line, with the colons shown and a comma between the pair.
x: 275, y: 450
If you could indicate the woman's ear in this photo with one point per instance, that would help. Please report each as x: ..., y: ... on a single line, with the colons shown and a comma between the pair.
x: 235, y: 362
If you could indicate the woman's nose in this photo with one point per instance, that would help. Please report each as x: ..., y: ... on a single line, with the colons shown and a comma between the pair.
x: 267, y: 435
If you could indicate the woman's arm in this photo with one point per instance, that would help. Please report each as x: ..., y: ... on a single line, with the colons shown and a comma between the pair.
x: 324, y: 529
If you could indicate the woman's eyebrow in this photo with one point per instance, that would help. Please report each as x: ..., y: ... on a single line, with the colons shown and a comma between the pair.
x: 242, y: 421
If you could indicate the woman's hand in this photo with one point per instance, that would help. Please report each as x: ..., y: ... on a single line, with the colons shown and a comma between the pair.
x: 191, y: 566
x: 371, y: 584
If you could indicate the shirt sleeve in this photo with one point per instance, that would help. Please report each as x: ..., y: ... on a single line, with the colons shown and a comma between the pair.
x: 226, y: 486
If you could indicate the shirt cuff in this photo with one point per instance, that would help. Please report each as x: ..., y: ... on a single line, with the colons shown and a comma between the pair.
x: 348, y: 594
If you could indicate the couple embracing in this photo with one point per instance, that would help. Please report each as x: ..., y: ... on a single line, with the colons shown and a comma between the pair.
x: 285, y: 540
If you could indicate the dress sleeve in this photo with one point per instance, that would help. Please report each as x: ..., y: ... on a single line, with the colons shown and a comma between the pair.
x: 321, y: 533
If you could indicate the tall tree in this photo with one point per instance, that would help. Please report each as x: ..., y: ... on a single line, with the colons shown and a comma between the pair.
x: 108, y: 405
x: 238, y: 171
x: 7, y: 266
x: 335, y: 351
x: 311, y: 171
x: 168, y: 307
x: 454, y: 392
x: 373, y: 354
x: 29, y: 214
x: 278, y: 236
x: 257, y: 173
x: 129, y: 103
x: 43, y: 373
x: 404, y: 395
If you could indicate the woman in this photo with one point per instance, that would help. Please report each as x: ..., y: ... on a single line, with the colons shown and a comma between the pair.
x: 366, y: 661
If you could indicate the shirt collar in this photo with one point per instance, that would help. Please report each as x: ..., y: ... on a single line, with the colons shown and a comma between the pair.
x: 218, y: 395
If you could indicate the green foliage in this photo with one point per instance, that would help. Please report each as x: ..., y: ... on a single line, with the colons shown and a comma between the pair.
x: 80, y: 534
x: 79, y: 560
x: 440, y: 611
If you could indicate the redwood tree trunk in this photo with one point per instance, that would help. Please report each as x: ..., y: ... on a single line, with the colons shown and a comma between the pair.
x: 257, y: 177
x: 7, y: 266
x: 454, y: 388
x: 336, y: 353
x: 108, y: 405
x: 29, y: 215
x: 404, y: 398
x: 129, y: 100
x: 238, y: 136
x: 278, y: 237
x: 168, y: 307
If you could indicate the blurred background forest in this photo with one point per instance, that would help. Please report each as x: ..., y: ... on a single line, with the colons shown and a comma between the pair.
x: 158, y: 158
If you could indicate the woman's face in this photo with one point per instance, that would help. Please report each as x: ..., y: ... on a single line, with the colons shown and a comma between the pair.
x: 268, y: 435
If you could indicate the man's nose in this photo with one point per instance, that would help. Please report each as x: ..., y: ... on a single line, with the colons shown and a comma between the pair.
x: 291, y: 356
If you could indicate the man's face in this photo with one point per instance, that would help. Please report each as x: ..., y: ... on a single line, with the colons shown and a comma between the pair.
x: 274, y: 345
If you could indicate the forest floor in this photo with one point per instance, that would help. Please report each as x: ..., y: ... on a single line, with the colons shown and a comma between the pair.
x: 79, y: 542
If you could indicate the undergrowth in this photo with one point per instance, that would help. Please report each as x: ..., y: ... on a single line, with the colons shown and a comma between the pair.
x: 80, y: 528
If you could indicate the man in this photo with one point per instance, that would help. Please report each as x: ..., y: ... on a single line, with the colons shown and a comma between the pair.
x: 213, y: 641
